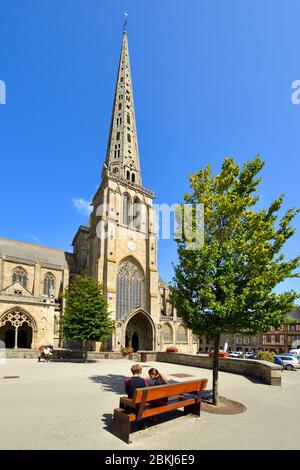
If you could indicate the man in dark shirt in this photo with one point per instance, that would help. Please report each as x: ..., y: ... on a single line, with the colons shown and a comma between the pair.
x: 135, y: 381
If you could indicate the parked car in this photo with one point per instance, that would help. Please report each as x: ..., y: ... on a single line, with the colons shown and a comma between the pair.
x: 238, y: 354
x: 295, y: 352
x: 288, y: 362
x: 250, y: 355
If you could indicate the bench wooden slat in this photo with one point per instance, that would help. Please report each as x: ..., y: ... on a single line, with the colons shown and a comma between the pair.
x: 164, y: 391
x: 168, y: 407
x: 148, y: 401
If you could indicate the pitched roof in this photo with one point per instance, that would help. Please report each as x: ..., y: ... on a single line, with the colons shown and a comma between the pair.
x: 20, y: 251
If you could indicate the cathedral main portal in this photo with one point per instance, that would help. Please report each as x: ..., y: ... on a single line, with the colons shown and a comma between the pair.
x: 139, y: 333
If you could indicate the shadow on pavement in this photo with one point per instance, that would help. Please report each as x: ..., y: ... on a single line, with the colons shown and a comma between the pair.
x: 107, y: 419
x: 110, y: 382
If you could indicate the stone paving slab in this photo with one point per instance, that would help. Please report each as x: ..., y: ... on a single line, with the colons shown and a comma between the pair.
x: 63, y: 405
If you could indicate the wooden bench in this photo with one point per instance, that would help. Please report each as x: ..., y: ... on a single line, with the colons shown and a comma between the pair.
x: 151, y: 401
x: 56, y: 354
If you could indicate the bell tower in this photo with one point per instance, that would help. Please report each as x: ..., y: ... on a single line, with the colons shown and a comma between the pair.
x: 122, y: 240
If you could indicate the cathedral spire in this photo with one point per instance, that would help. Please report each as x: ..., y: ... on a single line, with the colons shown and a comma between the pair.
x: 122, y: 156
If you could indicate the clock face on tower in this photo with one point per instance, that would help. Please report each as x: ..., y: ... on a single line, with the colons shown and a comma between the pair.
x: 131, y: 246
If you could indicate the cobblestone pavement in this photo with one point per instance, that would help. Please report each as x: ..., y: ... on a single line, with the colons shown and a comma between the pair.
x: 64, y: 405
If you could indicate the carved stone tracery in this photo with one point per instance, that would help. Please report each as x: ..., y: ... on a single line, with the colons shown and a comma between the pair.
x: 16, y: 318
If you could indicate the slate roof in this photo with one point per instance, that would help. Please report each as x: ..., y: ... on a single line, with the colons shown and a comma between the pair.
x: 12, y: 249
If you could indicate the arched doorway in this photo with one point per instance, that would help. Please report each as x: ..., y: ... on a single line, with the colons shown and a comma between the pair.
x: 17, y: 329
x: 139, y: 333
x: 24, y: 337
x: 9, y: 338
x: 135, y: 342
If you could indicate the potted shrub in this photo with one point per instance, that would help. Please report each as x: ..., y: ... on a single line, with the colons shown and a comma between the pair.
x: 126, y: 351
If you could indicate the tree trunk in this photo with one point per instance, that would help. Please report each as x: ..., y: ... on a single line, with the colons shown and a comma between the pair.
x: 85, y: 351
x: 216, y: 370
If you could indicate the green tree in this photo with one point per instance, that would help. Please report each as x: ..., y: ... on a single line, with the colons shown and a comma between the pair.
x: 227, y: 285
x: 86, y: 316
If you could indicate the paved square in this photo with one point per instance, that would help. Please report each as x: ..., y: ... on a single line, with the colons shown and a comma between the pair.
x: 65, y: 405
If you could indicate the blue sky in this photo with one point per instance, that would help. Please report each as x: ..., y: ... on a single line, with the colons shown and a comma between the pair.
x: 211, y: 78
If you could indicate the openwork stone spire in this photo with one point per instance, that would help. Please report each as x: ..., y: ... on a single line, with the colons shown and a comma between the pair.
x: 122, y: 157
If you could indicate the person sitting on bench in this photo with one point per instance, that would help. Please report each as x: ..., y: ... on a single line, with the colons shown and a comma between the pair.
x: 156, y: 378
x: 135, y: 381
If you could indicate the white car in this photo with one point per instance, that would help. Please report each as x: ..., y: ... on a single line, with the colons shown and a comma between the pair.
x: 236, y: 354
x: 295, y: 352
x: 287, y: 361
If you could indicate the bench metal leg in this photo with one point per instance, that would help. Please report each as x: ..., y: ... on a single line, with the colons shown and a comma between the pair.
x: 193, y: 409
x: 121, y: 426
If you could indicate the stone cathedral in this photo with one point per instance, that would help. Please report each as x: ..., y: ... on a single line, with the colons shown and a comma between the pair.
x: 118, y: 248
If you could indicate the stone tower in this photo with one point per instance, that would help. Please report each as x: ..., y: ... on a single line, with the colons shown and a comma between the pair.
x: 122, y: 244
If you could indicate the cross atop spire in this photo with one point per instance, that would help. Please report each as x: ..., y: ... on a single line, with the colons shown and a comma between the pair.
x: 122, y: 156
x: 125, y: 20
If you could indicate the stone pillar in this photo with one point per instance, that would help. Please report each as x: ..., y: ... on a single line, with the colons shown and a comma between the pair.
x: 16, y: 337
x: 1, y: 271
x: 65, y: 283
x: 37, y: 279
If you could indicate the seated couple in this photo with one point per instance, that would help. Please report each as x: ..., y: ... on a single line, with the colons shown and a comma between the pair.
x: 136, y: 381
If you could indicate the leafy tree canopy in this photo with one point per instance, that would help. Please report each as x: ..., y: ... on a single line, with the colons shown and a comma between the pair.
x: 86, y: 316
x: 228, y: 284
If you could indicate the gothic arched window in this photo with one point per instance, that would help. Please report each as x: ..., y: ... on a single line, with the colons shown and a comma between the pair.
x: 167, y: 333
x: 126, y: 209
x: 129, y: 287
x: 136, y: 214
x: 49, y: 283
x: 181, y: 334
x: 20, y: 275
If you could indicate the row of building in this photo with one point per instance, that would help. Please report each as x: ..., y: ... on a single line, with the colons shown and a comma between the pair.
x: 282, y: 339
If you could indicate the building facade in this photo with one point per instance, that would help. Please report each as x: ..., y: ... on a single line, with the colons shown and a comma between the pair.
x: 32, y: 281
x: 235, y: 342
x: 286, y: 337
x: 118, y: 248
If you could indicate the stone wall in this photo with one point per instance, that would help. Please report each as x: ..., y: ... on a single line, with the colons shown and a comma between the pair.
x: 265, y: 371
